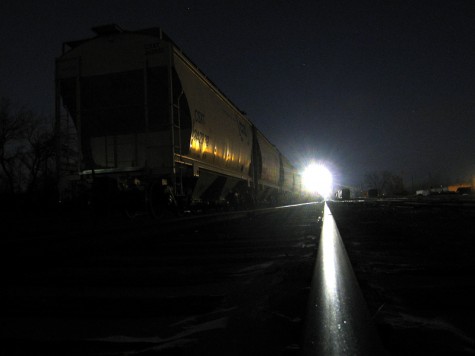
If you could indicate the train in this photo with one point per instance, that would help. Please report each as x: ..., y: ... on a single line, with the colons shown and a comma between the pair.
x: 141, y: 125
x: 342, y: 194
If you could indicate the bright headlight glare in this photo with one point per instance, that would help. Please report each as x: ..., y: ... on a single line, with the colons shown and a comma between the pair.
x: 316, y: 178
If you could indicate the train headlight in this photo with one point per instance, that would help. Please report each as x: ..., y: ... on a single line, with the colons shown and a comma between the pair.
x: 316, y: 178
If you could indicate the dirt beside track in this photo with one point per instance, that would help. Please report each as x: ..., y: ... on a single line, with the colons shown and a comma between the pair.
x: 220, y: 287
x: 415, y: 264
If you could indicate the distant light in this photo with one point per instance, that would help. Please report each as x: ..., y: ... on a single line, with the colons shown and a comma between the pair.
x: 316, y: 178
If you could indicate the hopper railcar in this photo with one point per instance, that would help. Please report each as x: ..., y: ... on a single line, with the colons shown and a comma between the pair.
x: 151, y: 128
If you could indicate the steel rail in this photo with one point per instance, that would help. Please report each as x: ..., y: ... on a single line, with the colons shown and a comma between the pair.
x: 338, y: 321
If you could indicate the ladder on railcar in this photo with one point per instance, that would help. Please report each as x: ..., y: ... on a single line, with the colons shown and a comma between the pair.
x: 177, y: 145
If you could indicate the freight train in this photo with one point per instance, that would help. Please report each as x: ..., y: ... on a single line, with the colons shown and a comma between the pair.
x: 150, y: 128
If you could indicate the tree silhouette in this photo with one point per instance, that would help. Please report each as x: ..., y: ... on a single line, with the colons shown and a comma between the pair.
x: 26, y: 148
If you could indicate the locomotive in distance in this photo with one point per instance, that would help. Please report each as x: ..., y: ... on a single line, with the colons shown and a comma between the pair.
x: 150, y: 128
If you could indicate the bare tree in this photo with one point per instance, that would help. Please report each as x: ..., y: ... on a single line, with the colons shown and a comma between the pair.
x: 12, y: 128
x: 396, y: 185
x: 27, y: 145
x: 385, y: 182
x: 40, y: 151
x: 376, y: 180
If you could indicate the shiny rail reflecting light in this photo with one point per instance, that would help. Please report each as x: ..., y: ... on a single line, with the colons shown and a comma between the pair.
x: 329, y: 263
x: 338, y: 322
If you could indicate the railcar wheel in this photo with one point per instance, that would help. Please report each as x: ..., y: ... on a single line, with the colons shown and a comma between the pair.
x: 132, y: 203
x: 162, y: 202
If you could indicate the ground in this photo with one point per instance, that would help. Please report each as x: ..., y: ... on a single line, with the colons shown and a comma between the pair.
x: 415, y: 264
x: 236, y: 283
x: 232, y: 285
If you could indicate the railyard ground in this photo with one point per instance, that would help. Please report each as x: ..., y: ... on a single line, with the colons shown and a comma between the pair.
x: 191, y: 287
x: 415, y: 263
x: 81, y: 286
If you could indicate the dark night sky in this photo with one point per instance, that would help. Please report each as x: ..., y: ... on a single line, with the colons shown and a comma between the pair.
x: 362, y: 85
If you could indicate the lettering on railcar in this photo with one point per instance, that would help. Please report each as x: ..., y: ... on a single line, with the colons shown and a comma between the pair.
x: 201, y: 137
x: 199, y: 117
x: 242, y: 130
x: 152, y: 48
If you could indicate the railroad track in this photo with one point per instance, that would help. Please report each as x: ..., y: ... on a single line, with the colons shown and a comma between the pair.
x: 212, y: 282
x: 201, y: 288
